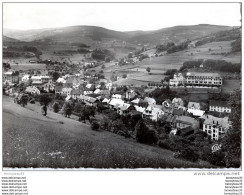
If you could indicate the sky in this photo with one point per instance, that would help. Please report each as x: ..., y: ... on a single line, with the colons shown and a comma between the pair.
x: 118, y: 16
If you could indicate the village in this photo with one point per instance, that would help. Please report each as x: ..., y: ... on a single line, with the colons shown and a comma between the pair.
x: 92, y: 89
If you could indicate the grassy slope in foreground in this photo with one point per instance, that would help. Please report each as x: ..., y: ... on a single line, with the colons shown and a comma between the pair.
x: 32, y: 140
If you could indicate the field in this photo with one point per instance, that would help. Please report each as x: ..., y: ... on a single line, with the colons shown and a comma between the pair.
x: 58, y: 142
x: 159, y: 65
x: 231, y: 85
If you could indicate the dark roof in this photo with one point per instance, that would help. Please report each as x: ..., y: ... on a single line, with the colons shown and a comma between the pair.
x: 76, y: 92
x: 186, y: 131
x: 218, y: 103
x: 58, y: 87
x: 178, y: 112
x: 93, y: 95
x: 67, y: 85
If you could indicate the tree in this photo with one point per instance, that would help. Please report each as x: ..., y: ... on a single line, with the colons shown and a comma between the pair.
x: 55, y: 107
x: 148, y: 70
x: 67, y: 109
x: 95, y: 125
x: 232, y: 139
x: 45, y: 99
x: 55, y: 76
x: 144, y: 134
x: 103, y: 66
x: 124, y: 76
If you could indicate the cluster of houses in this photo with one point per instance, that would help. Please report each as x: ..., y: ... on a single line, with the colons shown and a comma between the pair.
x: 184, y: 119
x: 180, y: 117
x: 203, y: 79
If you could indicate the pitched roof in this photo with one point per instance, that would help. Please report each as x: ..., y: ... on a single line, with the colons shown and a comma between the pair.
x: 150, y: 100
x: 218, y: 103
x: 137, y: 101
x: 186, y: 120
x: 203, y: 74
x: 113, y: 102
x: 178, y: 112
x: 196, y: 112
x: 212, y: 120
x: 195, y: 105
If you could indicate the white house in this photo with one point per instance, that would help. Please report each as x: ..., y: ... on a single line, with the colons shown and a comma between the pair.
x: 194, y: 106
x: 178, y: 79
x: 214, y: 126
x: 66, y: 91
x: 32, y: 90
x: 61, y: 80
x: 177, y: 102
x: 149, y: 100
x: 203, y: 79
x: 25, y: 78
x: 219, y: 106
x: 153, y: 113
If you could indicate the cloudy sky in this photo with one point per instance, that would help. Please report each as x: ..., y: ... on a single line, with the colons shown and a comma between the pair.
x: 118, y: 16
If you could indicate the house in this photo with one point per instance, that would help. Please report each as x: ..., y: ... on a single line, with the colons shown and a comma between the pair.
x: 49, y: 86
x: 139, y: 109
x: 58, y: 89
x: 177, y: 80
x: 215, y: 127
x: 114, y: 102
x: 150, y: 100
x: 125, y: 109
x: 117, y: 96
x: 154, y: 113
x: 66, y: 91
x: 185, y: 131
x: 185, y: 121
x: 130, y: 94
x: 11, y: 77
x: 167, y: 103
x: 179, y: 112
x: 32, y: 90
x: 60, y: 80
x: 194, y: 106
x: 219, y: 106
x: 25, y: 78
x: 76, y: 92
x: 203, y: 79
x: 105, y: 101
x: 196, y: 113
x: 170, y: 119
x: 139, y: 102
x: 177, y: 102
x: 104, y: 93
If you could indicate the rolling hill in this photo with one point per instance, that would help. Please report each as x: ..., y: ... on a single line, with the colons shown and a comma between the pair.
x: 91, y: 34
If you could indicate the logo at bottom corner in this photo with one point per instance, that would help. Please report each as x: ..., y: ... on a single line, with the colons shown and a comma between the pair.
x: 216, y: 147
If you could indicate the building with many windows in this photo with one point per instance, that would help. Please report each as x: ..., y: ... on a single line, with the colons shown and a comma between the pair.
x: 214, y: 126
x: 203, y: 79
x: 219, y: 106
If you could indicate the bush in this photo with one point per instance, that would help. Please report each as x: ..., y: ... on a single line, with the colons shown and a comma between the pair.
x: 32, y: 101
x: 56, y: 107
x: 165, y: 143
x: 95, y: 125
x: 144, y: 134
x: 189, y: 154
x: 67, y: 109
x: 217, y: 158
x: 124, y: 76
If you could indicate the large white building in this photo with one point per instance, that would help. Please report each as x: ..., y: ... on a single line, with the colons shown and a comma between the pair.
x: 178, y: 79
x: 203, y: 79
x: 219, y: 106
x: 214, y: 126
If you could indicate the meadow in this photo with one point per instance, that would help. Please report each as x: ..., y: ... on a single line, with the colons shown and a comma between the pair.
x: 58, y: 142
